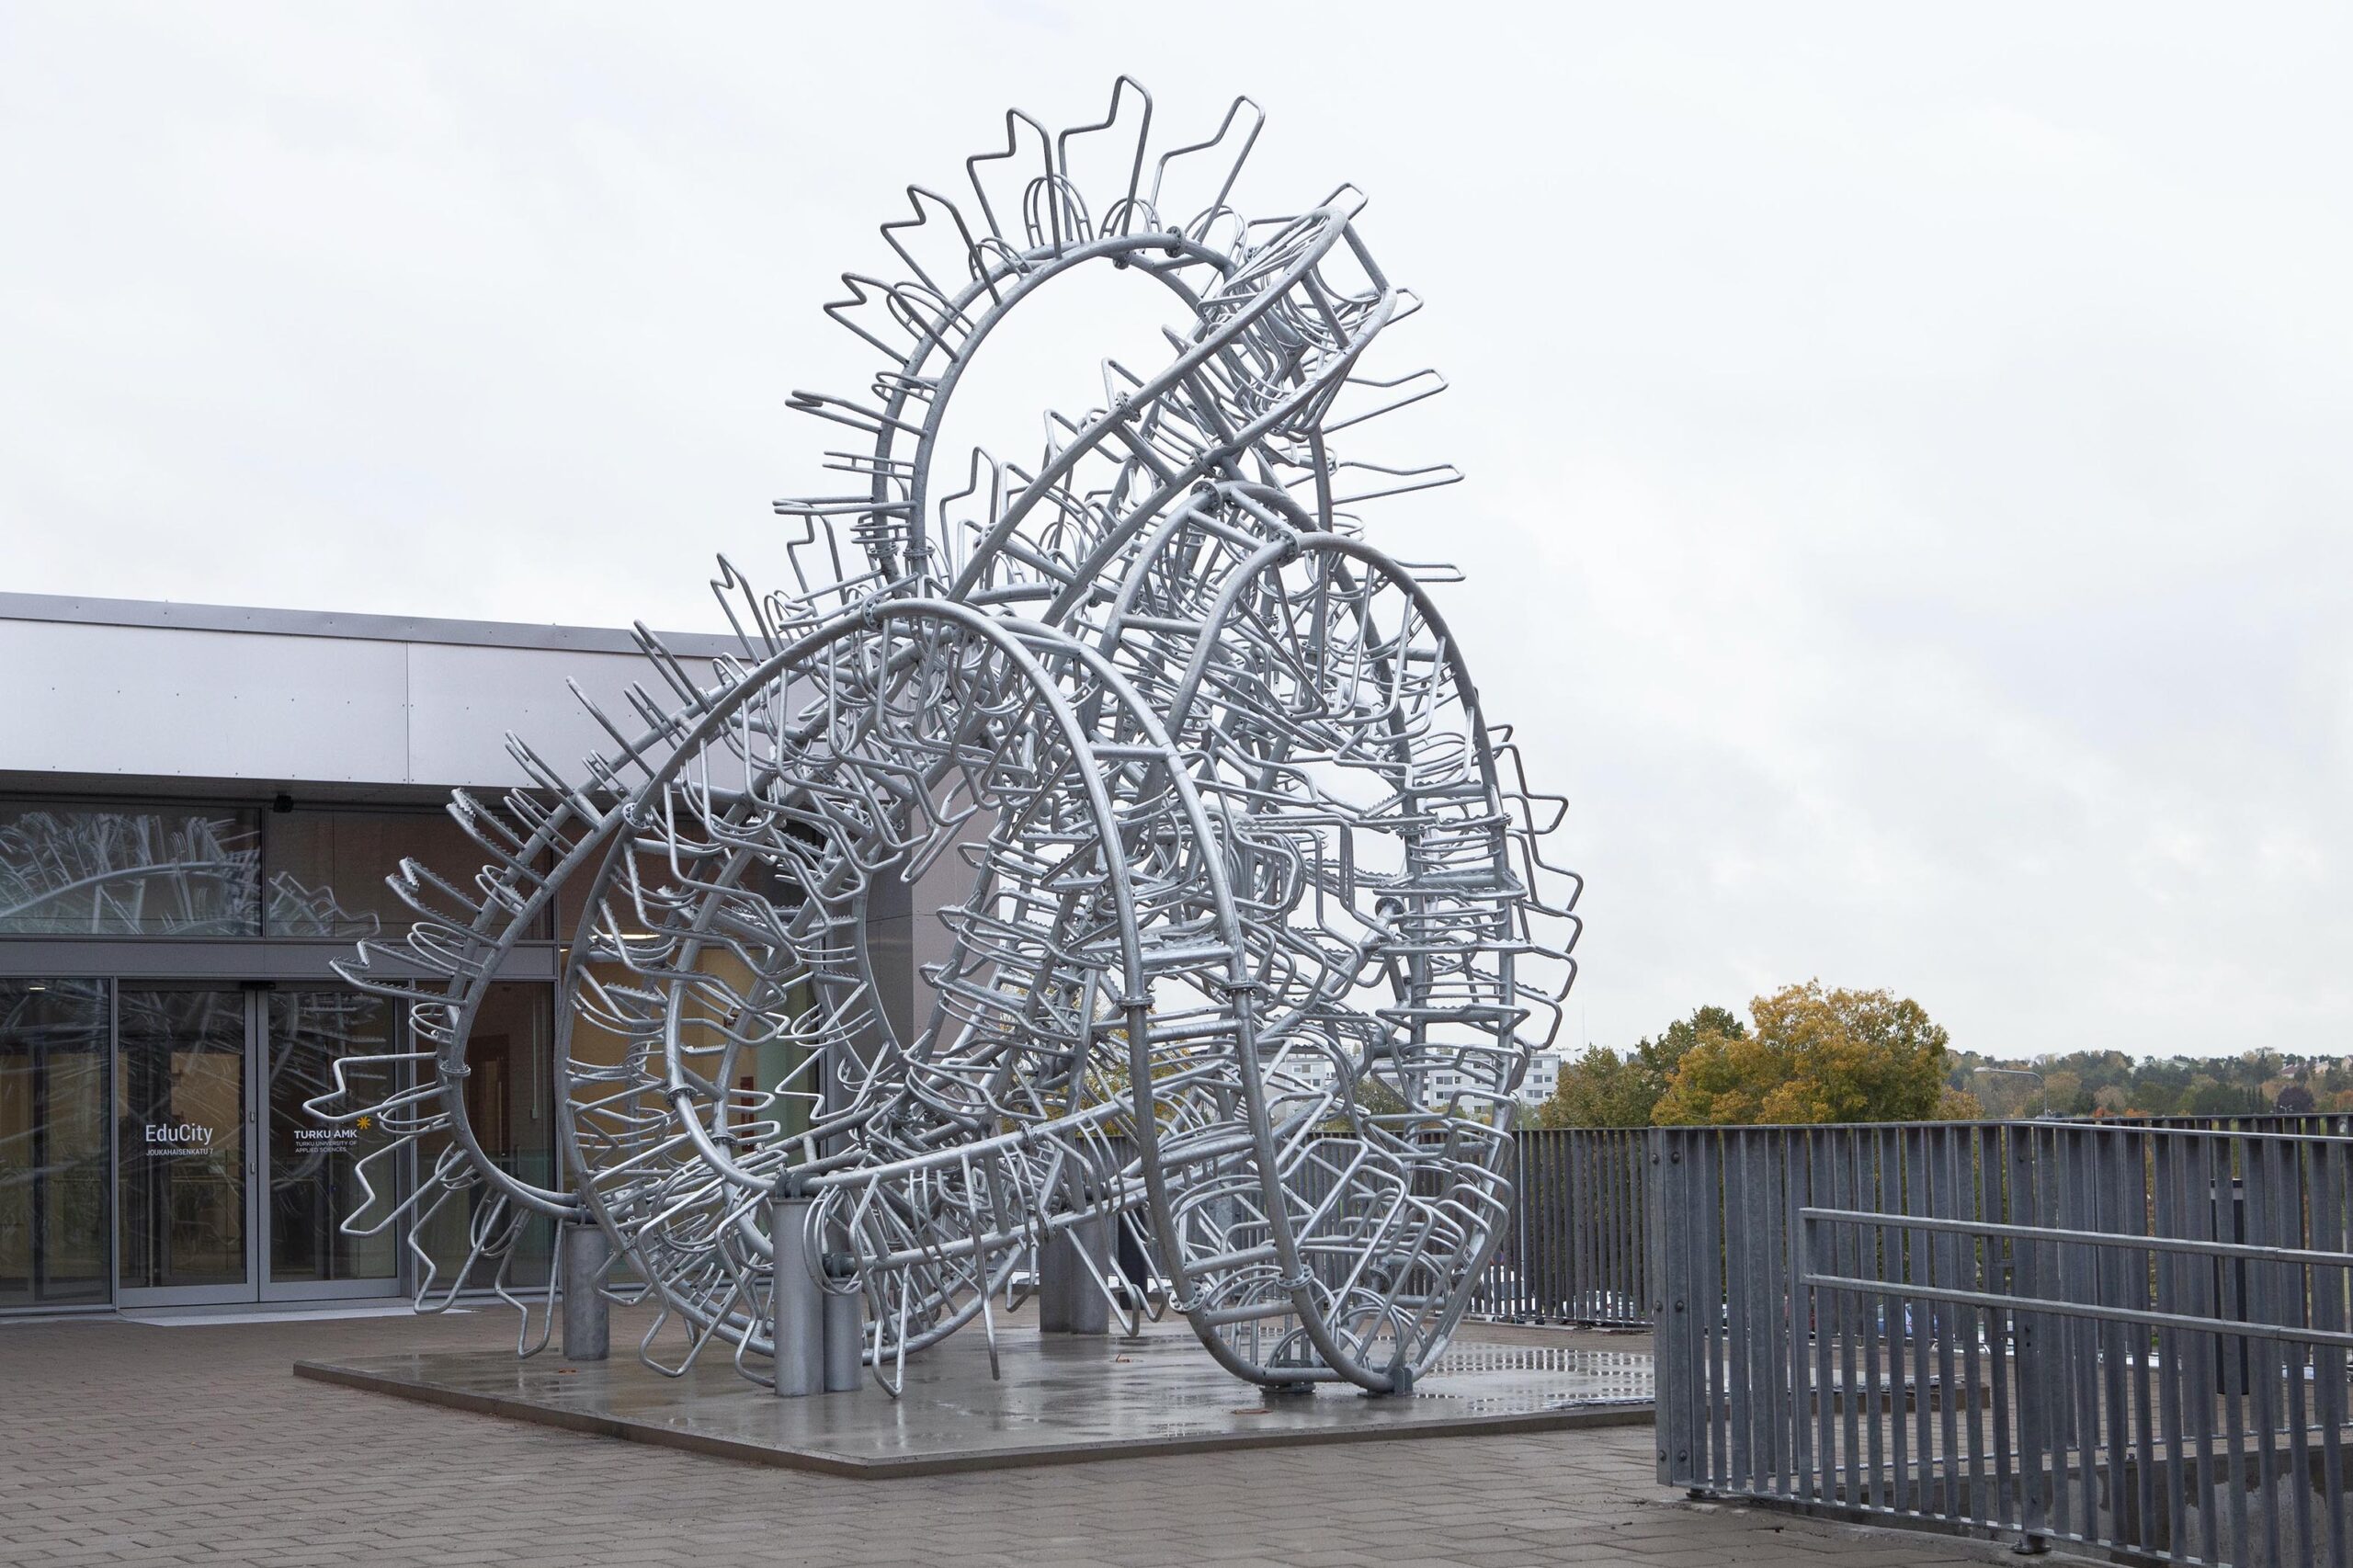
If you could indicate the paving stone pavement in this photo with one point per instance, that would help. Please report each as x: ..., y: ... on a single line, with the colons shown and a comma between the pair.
x: 124, y: 1442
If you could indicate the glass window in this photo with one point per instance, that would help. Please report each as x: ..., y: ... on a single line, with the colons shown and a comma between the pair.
x: 326, y: 868
x: 128, y: 871
x: 53, y: 1165
x: 764, y: 876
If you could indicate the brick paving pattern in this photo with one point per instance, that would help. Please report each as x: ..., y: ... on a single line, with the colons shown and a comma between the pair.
x: 124, y: 1442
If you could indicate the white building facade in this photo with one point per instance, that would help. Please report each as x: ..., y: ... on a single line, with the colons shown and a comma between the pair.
x: 199, y: 806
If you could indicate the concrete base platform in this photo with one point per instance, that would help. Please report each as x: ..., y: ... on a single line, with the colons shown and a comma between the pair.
x: 1060, y: 1400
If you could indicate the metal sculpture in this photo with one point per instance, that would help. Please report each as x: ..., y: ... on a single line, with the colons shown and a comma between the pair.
x: 1253, y: 938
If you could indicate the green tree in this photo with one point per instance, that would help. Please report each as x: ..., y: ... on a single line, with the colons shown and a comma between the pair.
x: 1959, y: 1105
x: 1602, y: 1088
x: 2220, y: 1099
x: 1598, y: 1089
x: 2063, y: 1091
x: 1814, y: 1055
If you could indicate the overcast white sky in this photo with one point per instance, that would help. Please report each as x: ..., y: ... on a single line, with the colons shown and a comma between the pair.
x: 1907, y: 507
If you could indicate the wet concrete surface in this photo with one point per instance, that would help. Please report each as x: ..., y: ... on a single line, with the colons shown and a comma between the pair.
x: 126, y: 1443
x: 1058, y: 1399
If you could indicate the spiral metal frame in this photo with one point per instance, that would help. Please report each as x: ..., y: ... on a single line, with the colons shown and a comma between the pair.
x: 1257, y: 938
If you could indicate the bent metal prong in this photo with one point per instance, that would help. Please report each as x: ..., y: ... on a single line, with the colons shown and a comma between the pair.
x: 1251, y: 939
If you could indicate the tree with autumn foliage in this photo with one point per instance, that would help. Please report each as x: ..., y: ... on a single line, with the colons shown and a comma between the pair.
x: 1813, y: 1056
x: 1601, y: 1088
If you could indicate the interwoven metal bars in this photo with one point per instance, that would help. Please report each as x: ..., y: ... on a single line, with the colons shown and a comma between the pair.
x: 1252, y: 938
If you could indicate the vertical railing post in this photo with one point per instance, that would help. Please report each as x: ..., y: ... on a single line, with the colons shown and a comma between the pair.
x: 2027, y: 1351
x: 1670, y: 1313
x: 1665, y: 1340
x: 1802, y: 1321
x: 1639, y: 1179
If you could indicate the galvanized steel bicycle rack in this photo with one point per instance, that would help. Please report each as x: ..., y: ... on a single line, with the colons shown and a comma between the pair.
x: 1257, y: 939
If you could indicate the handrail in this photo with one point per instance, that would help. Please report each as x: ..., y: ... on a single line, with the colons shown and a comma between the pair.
x: 2283, y: 1333
x: 2124, y: 1240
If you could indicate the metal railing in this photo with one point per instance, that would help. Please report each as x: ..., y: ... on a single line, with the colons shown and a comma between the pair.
x: 1576, y: 1250
x: 2126, y: 1337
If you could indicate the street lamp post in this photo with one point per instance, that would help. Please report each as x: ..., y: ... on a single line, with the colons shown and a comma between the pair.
x: 2027, y: 1073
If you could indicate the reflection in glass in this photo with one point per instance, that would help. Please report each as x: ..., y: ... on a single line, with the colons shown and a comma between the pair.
x: 315, y: 1176
x: 327, y: 867
x: 96, y: 871
x: 180, y: 1098
x: 89, y: 870
x: 53, y: 1192
x: 509, y: 1102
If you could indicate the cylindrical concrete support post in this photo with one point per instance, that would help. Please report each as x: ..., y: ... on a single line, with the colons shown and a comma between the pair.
x: 1090, y: 1243
x: 1135, y: 1272
x: 1069, y: 1298
x: 797, y: 1303
x: 1056, y: 1266
x: 844, y: 1329
x: 583, y: 1251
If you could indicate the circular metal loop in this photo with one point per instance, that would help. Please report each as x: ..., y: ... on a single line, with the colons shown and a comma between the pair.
x: 1238, y: 932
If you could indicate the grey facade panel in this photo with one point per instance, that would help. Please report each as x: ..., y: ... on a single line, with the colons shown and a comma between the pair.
x: 275, y: 698
x: 128, y: 700
x: 463, y: 702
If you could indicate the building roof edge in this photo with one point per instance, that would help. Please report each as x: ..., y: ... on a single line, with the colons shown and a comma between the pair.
x: 84, y: 611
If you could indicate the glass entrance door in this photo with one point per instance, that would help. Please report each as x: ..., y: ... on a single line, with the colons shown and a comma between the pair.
x: 314, y: 1172
x: 56, y: 1197
x: 185, y: 1166
x: 228, y: 1189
